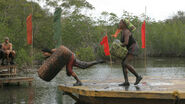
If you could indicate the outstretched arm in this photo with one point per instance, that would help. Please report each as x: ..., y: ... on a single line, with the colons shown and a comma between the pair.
x: 53, y: 50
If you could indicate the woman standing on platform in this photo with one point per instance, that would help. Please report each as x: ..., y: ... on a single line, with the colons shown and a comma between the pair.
x: 128, y: 40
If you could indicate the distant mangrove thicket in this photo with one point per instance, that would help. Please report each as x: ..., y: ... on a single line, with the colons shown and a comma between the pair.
x: 82, y: 33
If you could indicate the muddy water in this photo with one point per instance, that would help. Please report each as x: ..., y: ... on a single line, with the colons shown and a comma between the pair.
x: 47, y: 93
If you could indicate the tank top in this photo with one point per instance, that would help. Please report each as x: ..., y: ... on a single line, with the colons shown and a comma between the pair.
x: 130, y: 41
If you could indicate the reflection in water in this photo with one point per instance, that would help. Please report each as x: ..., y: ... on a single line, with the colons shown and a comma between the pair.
x: 126, y: 88
x: 138, y: 88
x: 131, y: 88
x: 47, y: 93
x: 31, y: 96
x: 17, y: 95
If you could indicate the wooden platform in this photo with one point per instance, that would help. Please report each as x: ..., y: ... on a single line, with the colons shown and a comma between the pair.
x: 17, y: 80
x: 8, y: 74
x: 8, y: 71
x: 7, y: 66
x: 152, y: 90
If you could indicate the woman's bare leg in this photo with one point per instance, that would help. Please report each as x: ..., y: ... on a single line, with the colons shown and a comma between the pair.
x: 69, y: 69
x: 131, y: 69
x: 125, y: 73
x: 78, y: 82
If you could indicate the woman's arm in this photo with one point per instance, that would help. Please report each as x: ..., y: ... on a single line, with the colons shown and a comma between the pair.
x: 126, y: 37
x: 53, y: 50
x: 10, y: 44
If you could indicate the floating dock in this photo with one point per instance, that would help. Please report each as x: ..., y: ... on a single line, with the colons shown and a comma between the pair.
x: 8, y: 74
x: 17, y: 80
x: 8, y: 71
x: 151, y: 90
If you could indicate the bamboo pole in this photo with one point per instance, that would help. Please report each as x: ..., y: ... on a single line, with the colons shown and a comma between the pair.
x: 145, y: 42
x: 32, y: 55
x: 110, y: 65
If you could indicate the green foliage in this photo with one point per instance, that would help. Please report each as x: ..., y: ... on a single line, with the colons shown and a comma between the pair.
x: 166, y: 38
x: 85, y: 54
x: 23, y: 59
x: 81, y: 33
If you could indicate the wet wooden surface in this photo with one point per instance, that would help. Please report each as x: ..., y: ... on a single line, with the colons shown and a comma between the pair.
x: 17, y: 80
x: 8, y: 75
x: 7, y: 66
x: 8, y: 71
x: 150, y: 88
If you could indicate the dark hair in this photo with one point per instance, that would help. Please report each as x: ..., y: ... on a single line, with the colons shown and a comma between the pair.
x: 0, y: 46
x: 123, y: 22
x: 46, y: 50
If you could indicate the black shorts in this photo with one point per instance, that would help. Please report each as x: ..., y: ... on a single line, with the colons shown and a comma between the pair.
x: 133, y: 49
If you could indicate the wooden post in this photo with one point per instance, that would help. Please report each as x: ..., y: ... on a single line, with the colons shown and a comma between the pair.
x: 30, y: 83
x: 32, y: 41
x: 145, y: 43
x: 111, y: 61
x: 1, y: 84
x: 18, y: 83
x: 110, y: 65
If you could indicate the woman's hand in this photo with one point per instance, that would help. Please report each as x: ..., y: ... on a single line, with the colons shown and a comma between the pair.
x: 123, y: 45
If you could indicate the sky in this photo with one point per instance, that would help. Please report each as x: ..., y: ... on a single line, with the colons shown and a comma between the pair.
x: 156, y: 9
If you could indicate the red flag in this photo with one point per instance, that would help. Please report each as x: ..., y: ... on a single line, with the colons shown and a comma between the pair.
x: 116, y: 33
x: 143, y: 35
x: 29, y: 29
x: 105, y: 43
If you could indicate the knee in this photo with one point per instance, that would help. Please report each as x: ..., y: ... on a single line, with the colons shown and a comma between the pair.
x: 69, y: 71
x: 11, y: 55
x: 123, y: 62
x: 123, y: 65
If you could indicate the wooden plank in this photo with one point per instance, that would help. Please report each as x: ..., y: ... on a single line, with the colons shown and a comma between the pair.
x: 8, y: 74
x: 8, y: 66
x: 15, y: 79
x: 120, y: 94
x: 108, y: 100
x: 10, y: 71
x: 150, y: 88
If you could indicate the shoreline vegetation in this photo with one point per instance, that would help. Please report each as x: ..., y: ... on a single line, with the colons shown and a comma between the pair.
x: 82, y: 34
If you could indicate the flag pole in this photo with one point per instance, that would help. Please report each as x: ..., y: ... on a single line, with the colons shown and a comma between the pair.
x: 32, y: 38
x: 110, y: 60
x: 110, y: 64
x: 106, y: 49
x: 145, y: 43
x: 32, y: 55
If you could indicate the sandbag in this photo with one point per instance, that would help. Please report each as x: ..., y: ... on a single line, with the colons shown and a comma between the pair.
x: 117, y: 50
x: 130, y: 26
x: 54, y: 63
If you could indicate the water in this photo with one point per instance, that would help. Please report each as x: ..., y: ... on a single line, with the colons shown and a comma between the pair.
x: 47, y: 92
